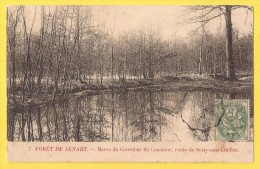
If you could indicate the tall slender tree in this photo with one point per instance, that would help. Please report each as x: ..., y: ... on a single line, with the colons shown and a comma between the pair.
x: 210, y: 12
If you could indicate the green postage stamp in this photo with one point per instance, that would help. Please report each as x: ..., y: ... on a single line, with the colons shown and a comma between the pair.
x: 231, y: 117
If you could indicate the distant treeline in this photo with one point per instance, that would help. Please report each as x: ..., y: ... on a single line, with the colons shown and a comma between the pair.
x: 69, y: 45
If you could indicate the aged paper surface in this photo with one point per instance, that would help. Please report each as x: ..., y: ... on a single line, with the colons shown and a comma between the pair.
x: 131, y: 152
x: 130, y: 83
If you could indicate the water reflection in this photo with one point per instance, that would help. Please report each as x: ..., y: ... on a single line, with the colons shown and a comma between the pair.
x: 128, y: 116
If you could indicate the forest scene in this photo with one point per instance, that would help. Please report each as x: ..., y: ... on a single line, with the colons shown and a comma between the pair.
x: 125, y: 73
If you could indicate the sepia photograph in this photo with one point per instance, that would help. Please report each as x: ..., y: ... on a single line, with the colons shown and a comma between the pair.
x: 130, y: 73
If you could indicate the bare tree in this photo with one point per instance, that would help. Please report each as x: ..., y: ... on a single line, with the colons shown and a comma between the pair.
x: 211, y: 12
x: 12, y: 22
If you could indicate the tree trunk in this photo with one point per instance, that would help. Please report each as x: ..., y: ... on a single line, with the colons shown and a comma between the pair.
x: 112, y: 64
x: 230, y: 70
x: 200, y: 60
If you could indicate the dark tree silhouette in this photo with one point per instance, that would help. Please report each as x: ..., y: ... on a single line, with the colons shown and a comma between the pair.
x: 211, y: 12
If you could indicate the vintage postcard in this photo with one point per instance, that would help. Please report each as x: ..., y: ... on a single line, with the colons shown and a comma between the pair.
x: 130, y: 83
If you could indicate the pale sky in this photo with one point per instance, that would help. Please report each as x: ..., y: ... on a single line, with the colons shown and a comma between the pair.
x: 162, y: 17
x: 166, y: 18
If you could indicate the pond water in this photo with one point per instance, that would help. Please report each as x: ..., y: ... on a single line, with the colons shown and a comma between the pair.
x: 125, y: 116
